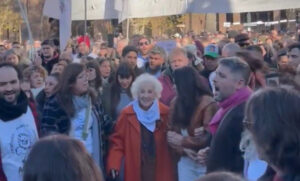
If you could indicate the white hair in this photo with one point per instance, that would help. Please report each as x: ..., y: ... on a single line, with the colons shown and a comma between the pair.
x: 149, y: 79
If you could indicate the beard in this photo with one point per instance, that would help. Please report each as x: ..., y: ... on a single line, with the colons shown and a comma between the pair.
x: 10, y: 96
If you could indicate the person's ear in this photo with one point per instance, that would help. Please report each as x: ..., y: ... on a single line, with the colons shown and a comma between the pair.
x: 240, y: 83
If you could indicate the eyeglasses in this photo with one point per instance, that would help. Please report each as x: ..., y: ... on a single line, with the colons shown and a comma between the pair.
x: 143, y: 43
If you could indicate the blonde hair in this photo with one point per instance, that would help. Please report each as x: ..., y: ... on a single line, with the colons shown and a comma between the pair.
x: 34, y: 68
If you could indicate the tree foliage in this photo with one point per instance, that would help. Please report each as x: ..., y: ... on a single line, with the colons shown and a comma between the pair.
x: 164, y: 25
x: 9, y: 19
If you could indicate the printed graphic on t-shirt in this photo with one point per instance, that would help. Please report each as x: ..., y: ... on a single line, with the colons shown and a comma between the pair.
x: 22, y: 141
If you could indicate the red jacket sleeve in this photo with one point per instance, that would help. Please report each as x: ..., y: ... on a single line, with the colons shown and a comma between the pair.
x: 116, y: 142
x: 35, y: 115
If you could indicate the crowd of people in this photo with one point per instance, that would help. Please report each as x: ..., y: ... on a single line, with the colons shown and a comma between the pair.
x: 220, y: 106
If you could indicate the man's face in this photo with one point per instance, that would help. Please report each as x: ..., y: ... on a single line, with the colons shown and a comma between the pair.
x: 144, y: 46
x: 178, y: 61
x: 131, y: 59
x: 57, y: 68
x: 103, y: 53
x: 47, y: 51
x: 16, y: 47
x: 226, y: 83
x: 210, y: 63
x: 83, y: 48
x: 9, y: 85
x: 283, y: 61
x: 155, y: 60
x: 294, y: 57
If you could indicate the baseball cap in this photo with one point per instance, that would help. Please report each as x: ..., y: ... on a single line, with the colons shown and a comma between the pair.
x: 211, y: 50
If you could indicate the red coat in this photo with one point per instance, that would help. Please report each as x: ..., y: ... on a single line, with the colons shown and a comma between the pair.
x: 126, y: 142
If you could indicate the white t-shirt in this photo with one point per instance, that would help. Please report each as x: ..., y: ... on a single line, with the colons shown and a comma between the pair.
x: 16, y: 140
x: 94, y: 56
x: 189, y: 169
x: 140, y: 62
x: 76, y: 59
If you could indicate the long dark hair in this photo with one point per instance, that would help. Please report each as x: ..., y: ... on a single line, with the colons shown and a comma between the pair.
x: 124, y: 71
x: 60, y: 158
x: 190, y: 88
x: 273, y: 117
x: 64, y: 93
x: 112, y: 68
x: 97, y: 82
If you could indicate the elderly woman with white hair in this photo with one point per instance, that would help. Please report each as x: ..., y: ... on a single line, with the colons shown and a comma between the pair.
x: 139, y: 136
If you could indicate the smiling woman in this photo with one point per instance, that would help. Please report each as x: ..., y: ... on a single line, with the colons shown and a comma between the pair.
x: 76, y: 111
x: 146, y: 88
x: 140, y: 134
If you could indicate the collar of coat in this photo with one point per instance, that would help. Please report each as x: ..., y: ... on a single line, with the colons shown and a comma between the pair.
x: 164, y: 111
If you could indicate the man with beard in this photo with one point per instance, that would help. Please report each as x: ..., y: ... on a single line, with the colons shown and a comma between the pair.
x: 232, y: 92
x: 18, y: 130
x: 129, y: 55
x: 157, y: 57
x: 49, y: 55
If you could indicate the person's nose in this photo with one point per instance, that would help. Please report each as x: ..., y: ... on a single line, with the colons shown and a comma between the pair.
x: 8, y: 87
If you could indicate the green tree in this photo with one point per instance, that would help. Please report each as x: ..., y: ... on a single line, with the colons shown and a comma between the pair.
x: 171, y: 23
x: 10, y: 20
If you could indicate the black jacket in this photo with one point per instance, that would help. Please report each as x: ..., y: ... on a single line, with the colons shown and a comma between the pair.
x: 224, y: 152
x: 55, y: 119
x: 49, y: 65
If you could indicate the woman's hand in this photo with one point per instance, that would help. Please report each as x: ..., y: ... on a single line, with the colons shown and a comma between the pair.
x: 37, y: 60
x: 174, y: 138
x: 198, y: 132
x: 190, y: 153
x: 202, y: 155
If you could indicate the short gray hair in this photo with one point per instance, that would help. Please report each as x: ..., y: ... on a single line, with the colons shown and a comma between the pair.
x: 156, y: 50
x: 146, y: 78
